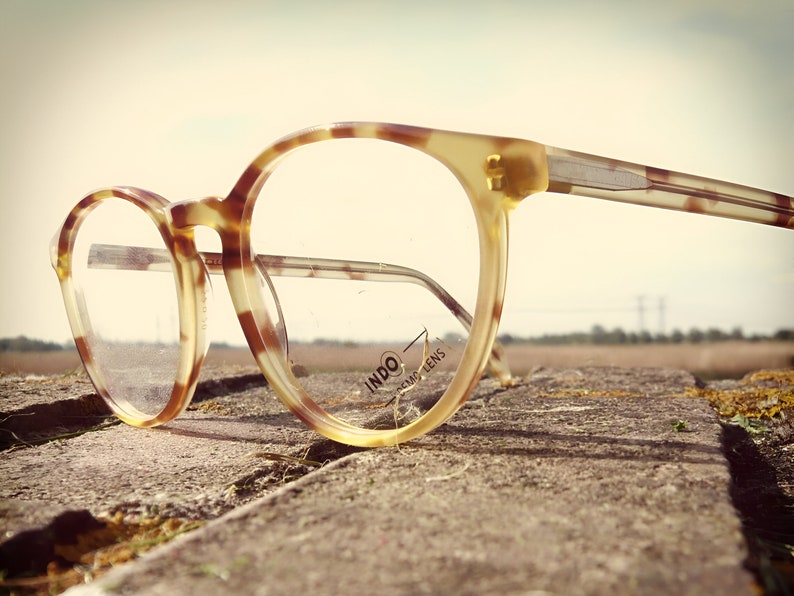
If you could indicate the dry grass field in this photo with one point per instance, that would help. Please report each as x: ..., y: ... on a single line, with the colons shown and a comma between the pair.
x: 729, y: 359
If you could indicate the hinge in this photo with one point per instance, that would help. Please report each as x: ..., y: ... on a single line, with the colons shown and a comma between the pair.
x: 495, y: 171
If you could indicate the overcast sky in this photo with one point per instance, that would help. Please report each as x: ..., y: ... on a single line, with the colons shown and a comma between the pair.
x: 178, y: 97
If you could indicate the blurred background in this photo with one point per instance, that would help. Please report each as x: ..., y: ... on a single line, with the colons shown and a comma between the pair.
x: 178, y: 97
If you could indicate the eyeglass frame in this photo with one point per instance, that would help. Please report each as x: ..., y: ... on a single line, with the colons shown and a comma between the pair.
x: 497, y: 174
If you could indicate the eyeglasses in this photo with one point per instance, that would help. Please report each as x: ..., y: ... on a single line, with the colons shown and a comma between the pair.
x: 380, y: 248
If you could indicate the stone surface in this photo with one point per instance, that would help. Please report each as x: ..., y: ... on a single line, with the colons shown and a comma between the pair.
x: 574, y: 482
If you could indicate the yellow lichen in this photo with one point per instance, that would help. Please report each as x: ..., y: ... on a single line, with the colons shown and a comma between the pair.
x: 211, y: 407
x: 785, y: 376
x: 760, y: 395
x: 97, y: 550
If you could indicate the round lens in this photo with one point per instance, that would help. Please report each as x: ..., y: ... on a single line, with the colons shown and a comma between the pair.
x: 124, y: 270
x: 372, y: 249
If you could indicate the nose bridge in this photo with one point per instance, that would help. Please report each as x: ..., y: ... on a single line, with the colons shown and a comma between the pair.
x: 213, y: 212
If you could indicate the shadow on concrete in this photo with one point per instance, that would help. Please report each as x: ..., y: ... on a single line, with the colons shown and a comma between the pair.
x: 766, y: 512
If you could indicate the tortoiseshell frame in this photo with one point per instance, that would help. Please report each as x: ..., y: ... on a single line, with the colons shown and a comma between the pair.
x: 497, y: 173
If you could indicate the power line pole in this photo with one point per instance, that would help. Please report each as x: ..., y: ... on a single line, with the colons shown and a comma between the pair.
x: 641, y: 312
x: 662, y: 307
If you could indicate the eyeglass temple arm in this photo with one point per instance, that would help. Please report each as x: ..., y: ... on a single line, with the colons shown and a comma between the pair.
x: 135, y: 258
x: 599, y: 177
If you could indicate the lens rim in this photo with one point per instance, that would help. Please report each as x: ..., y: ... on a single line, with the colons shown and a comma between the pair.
x: 191, y: 285
x: 469, y: 158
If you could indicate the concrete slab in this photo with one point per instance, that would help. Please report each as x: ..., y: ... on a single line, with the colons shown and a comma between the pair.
x: 576, y: 482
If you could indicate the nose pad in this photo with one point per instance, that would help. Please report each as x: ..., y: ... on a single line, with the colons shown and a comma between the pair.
x: 277, y: 330
x: 207, y: 304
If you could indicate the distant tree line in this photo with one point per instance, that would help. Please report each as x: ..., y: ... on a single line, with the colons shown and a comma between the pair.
x: 25, y: 344
x: 599, y: 335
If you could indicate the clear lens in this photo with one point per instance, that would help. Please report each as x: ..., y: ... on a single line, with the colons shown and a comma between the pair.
x: 124, y: 270
x: 372, y: 250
